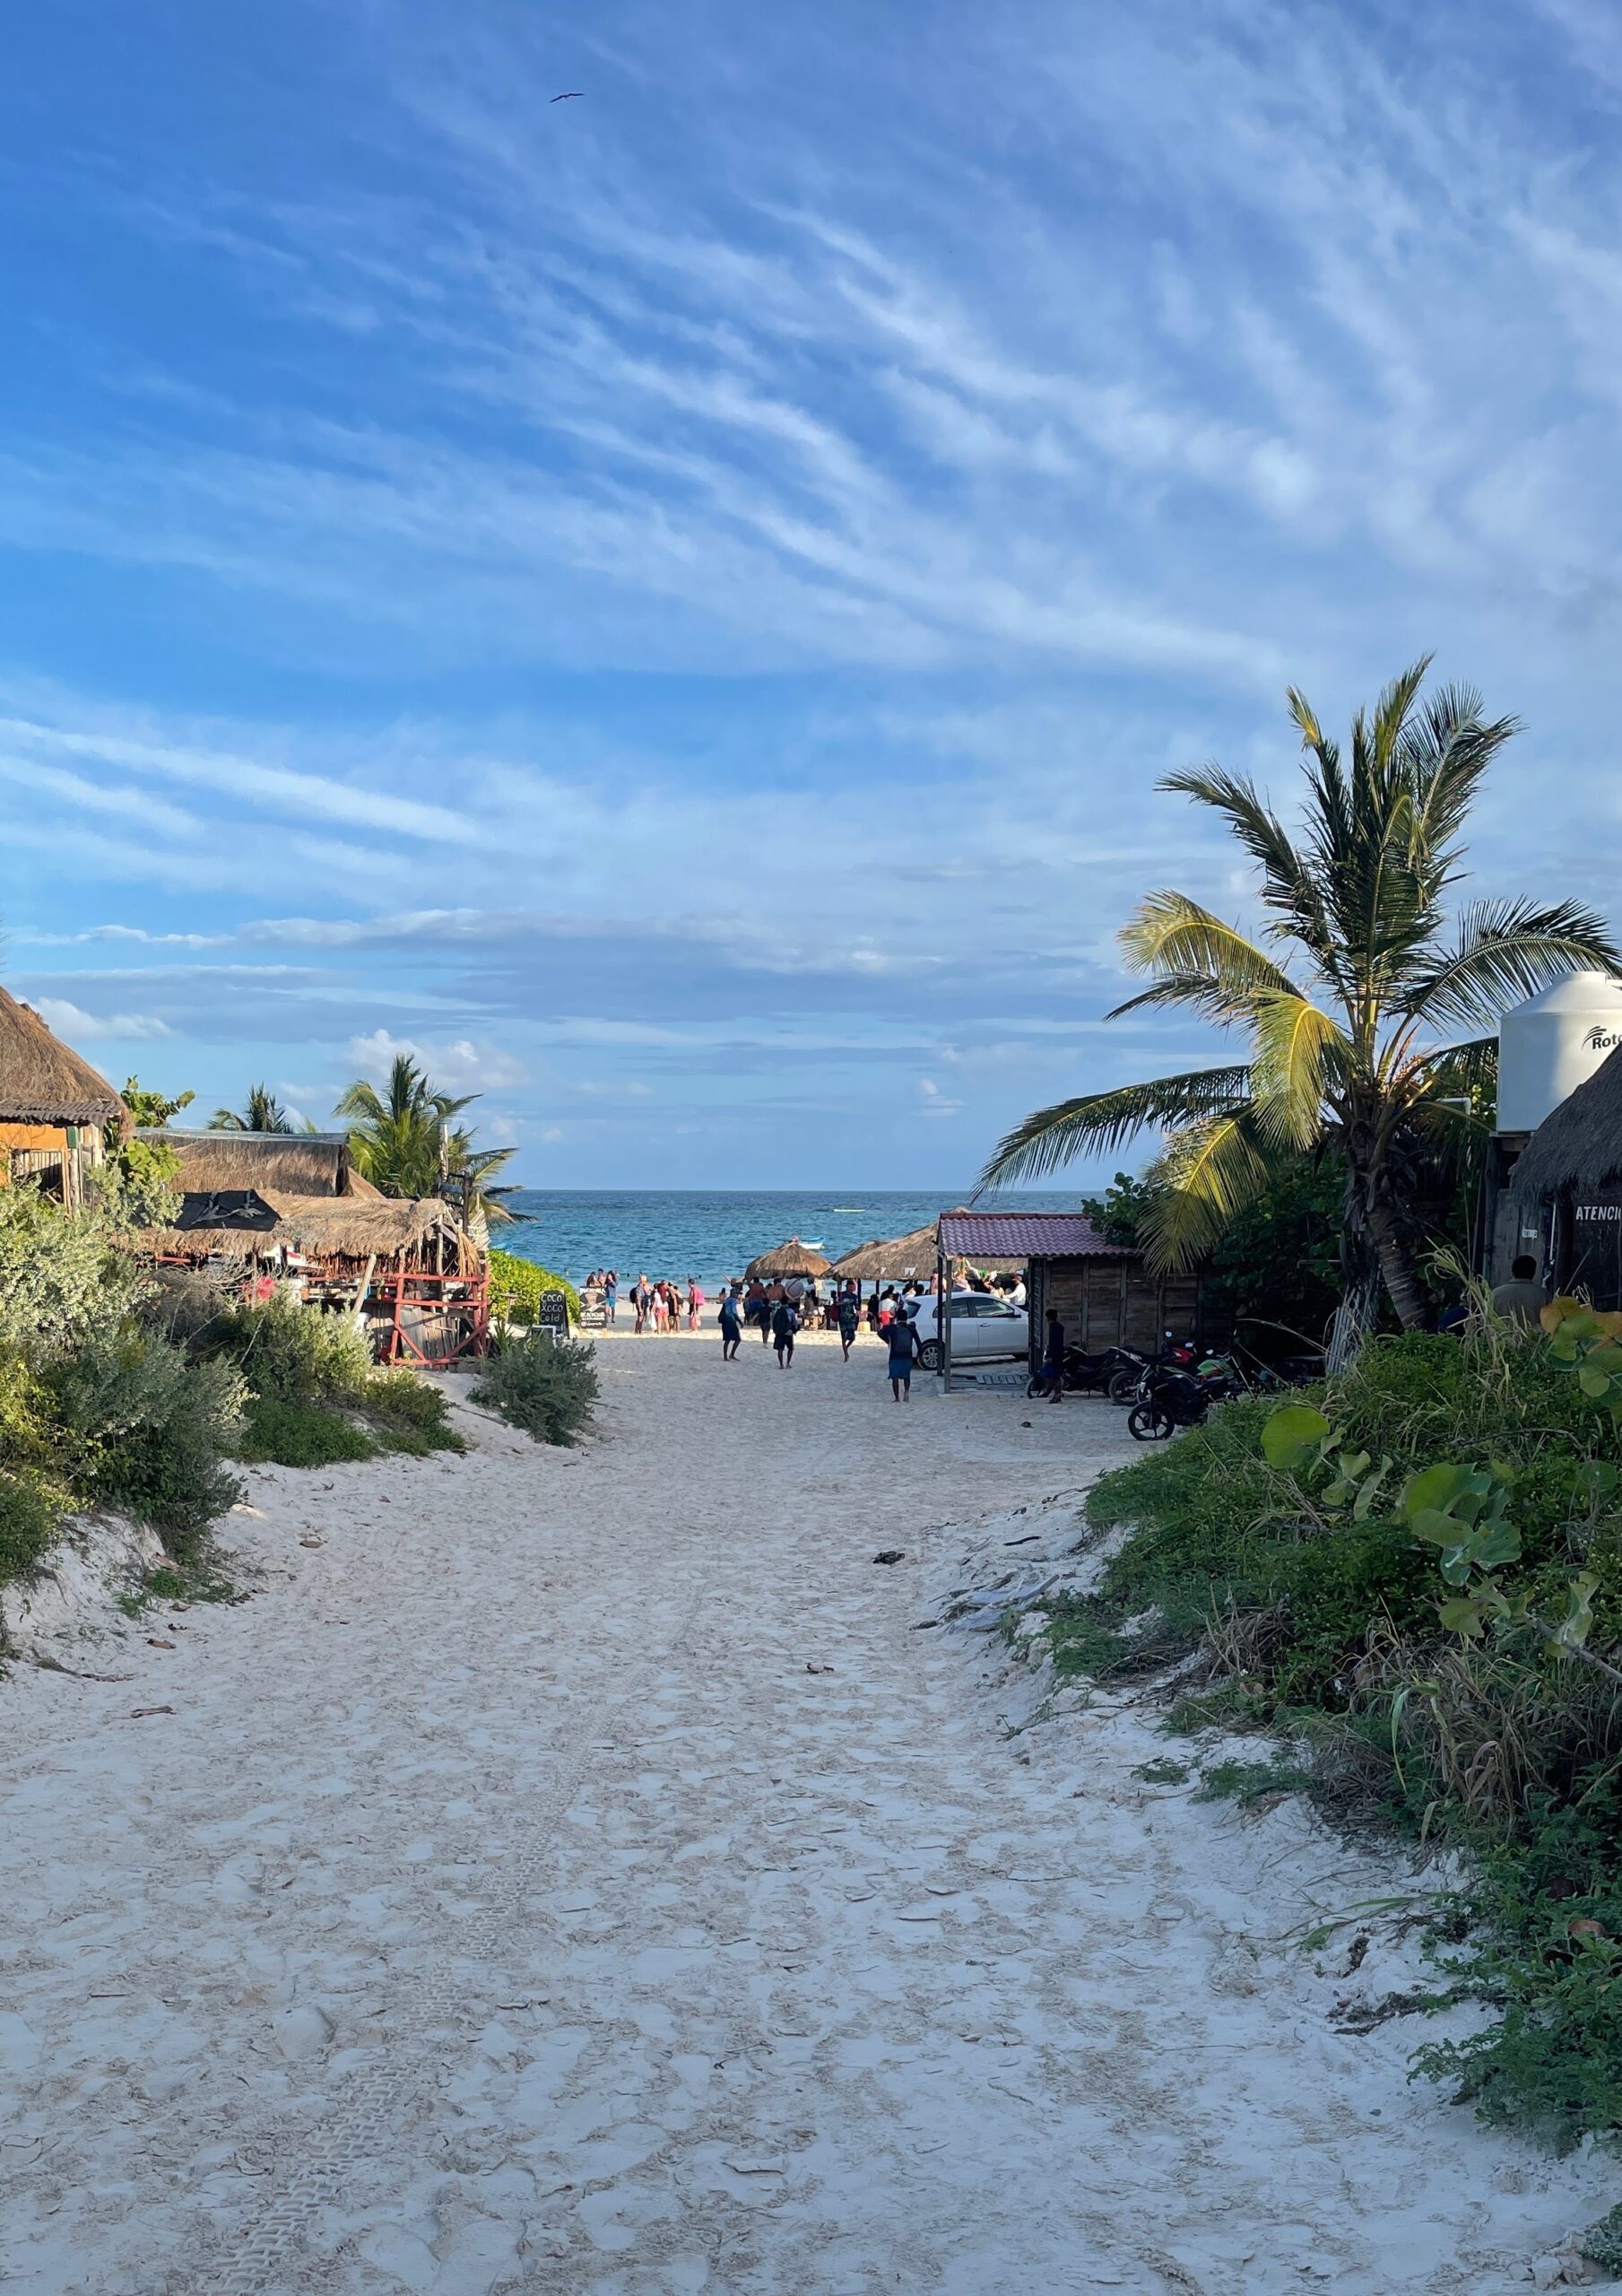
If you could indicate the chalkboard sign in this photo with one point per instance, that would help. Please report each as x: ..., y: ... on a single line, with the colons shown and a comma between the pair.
x: 554, y: 1312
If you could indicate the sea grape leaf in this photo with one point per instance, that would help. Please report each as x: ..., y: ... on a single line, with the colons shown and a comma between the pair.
x: 1501, y: 1544
x: 1293, y: 1431
x: 1435, y: 1489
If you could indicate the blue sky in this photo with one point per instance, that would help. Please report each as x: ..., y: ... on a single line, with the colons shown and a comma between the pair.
x: 674, y: 604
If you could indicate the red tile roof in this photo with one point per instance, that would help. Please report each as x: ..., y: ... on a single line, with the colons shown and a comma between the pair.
x: 1025, y: 1235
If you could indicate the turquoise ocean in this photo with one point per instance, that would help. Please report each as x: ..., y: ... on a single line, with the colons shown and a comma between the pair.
x: 710, y: 1236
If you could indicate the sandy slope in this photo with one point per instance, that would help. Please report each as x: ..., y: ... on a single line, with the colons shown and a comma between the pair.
x: 505, y: 1905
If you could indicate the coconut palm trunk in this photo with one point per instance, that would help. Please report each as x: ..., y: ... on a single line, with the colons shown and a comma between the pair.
x: 1368, y: 998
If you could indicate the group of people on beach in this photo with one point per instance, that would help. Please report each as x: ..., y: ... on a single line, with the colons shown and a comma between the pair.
x: 658, y: 1306
x: 779, y: 1311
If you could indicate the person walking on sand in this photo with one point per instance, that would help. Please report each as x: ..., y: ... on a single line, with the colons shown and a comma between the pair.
x: 694, y: 1301
x: 850, y: 1318
x: 611, y: 1295
x: 785, y: 1323
x: 732, y: 1326
x: 903, y: 1335
x: 641, y: 1298
x: 1053, y: 1358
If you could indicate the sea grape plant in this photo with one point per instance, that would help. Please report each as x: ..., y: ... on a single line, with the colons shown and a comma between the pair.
x: 1299, y: 1441
x: 1461, y: 1511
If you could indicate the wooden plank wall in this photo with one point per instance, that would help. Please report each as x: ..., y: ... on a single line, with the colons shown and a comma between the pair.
x: 1118, y: 1303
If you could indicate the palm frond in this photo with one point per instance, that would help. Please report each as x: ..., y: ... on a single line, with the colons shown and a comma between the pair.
x: 1197, y: 992
x: 1295, y: 1046
x: 1211, y: 1170
x: 1101, y: 1121
x: 1505, y: 951
x: 1171, y: 935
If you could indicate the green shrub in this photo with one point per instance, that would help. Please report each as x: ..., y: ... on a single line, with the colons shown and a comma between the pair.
x: 301, y: 1435
x: 546, y: 1387
x: 1508, y: 1746
x: 305, y: 1369
x: 1545, y: 1915
x: 61, y: 1275
x: 289, y: 1353
x: 515, y: 1286
x: 409, y: 1412
x: 147, y: 1431
x: 30, y: 1514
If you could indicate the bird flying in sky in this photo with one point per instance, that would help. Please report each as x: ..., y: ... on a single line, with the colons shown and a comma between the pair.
x: 568, y: 95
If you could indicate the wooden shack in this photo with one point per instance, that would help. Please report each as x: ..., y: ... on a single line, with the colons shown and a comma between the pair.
x: 1107, y: 1295
x: 54, y: 1108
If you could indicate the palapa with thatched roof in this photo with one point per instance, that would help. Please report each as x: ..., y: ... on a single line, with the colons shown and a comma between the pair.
x: 42, y: 1081
x: 289, y: 1164
x: 791, y: 1259
x: 912, y: 1257
x: 900, y: 1261
x: 1578, y: 1146
x: 390, y: 1231
x: 1566, y: 1191
x: 53, y: 1105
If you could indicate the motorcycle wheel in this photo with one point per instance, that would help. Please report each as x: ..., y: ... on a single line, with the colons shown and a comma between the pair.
x: 1149, y: 1423
x: 1034, y: 1389
x: 1124, y: 1386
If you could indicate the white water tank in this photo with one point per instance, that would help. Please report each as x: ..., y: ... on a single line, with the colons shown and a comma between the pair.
x: 1553, y: 1043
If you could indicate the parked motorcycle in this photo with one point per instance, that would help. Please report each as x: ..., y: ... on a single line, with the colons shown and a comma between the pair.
x: 1175, y: 1355
x: 1093, y: 1374
x: 1170, y: 1399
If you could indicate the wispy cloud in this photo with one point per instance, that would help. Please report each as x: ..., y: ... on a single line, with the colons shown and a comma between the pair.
x: 699, y: 592
x: 76, y: 1028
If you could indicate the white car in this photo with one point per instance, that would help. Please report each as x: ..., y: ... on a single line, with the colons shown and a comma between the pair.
x: 985, y: 1326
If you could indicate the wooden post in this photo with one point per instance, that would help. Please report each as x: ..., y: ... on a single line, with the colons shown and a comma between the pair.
x: 366, y: 1285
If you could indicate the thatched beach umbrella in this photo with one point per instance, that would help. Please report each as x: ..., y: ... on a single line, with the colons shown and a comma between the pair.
x: 790, y: 1259
x: 902, y: 1260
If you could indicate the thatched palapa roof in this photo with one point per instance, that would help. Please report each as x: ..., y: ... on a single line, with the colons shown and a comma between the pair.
x: 792, y: 1258
x: 907, y: 1258
x: 326, y: 1227
x: 1579, y: 1144
x: 288, y: 1164
x: 42, y: 1081
x: 899, y: 1261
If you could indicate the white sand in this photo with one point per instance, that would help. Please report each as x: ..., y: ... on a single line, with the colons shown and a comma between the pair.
x: 505, y: 1905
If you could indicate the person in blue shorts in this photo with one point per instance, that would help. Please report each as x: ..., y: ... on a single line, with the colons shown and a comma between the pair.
x: 903, y: 1334
x: 732, y: 1326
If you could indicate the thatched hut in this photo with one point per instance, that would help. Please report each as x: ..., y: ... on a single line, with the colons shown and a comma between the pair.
x: 904, y: 1259
x: 1567, y: 1189
x: 789, y: 1261
x: 288, y: 1164
x: 53, y: 1106
x: 332, y: 1236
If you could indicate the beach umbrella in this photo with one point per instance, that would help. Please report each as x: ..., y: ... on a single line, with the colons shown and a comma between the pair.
x: 905, y: 1258
x: 789, y: 1259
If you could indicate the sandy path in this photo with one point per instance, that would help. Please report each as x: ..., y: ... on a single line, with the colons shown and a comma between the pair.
x: 504, y: 1905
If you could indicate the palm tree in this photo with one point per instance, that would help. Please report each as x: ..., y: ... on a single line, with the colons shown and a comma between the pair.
x: 262, y: 1113
x: 401, y: 1139
x: 1349, y: 1053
